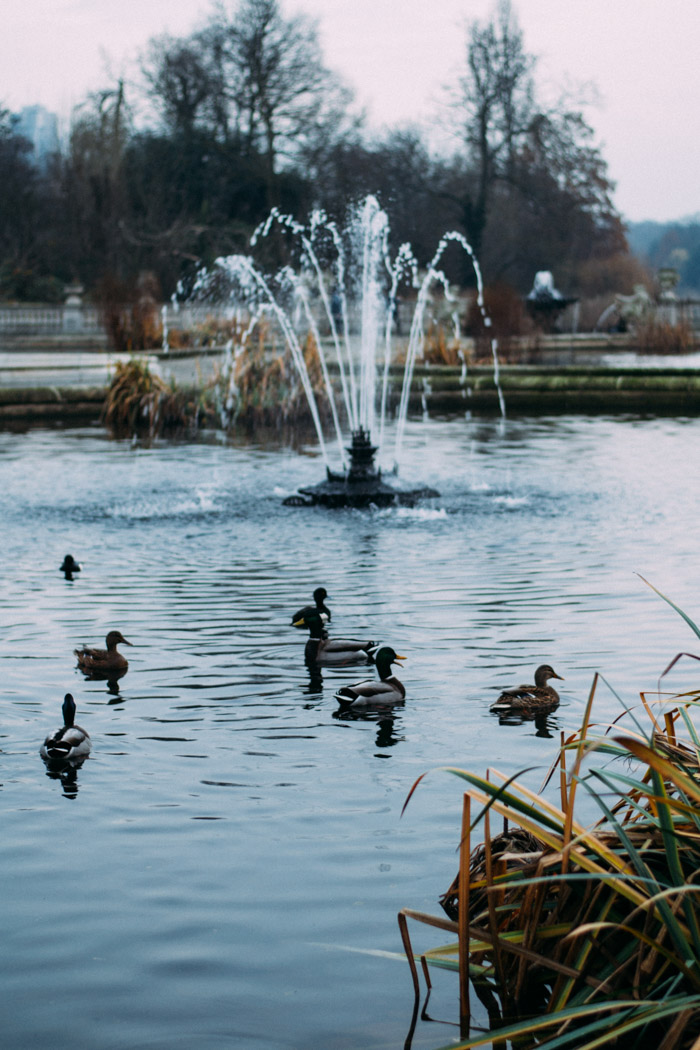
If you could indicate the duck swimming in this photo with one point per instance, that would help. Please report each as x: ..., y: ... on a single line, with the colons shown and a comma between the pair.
x: 70, y: 741
x: 531, y: 699
x: 331, y: 652
x: 69, y: 566
x: 108, y: 662
x: 320, y: 595
x: 381, y: 692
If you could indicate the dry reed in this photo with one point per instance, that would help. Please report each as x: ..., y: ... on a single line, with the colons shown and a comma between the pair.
x: 584, y: 936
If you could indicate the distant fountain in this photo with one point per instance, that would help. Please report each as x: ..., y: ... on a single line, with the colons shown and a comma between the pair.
x: 545, y: 303
x: 344, y: 284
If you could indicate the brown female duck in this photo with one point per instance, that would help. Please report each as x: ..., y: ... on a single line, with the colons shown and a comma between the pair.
x: 531, y: 699
x: 104, y: 661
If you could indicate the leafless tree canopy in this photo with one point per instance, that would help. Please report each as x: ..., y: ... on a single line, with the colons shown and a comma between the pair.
x: 242, y: 114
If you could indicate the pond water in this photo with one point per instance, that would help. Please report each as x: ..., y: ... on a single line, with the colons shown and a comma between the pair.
x: 226, y: 867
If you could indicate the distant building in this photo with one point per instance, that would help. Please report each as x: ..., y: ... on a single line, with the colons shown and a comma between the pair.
x: 40, y: 127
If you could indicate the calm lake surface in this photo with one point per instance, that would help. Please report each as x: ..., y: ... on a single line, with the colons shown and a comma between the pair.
x: 226, y: 867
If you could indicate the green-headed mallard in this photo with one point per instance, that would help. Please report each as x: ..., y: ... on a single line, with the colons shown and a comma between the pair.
x: 530, y: 699
x: 320, y: 595
x: 70, y: 741
x: 105, y: 662
x: 375, y: 692
x: 331, y: 652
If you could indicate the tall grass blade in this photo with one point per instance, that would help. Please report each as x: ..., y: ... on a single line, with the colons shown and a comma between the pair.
x: 693, y: 626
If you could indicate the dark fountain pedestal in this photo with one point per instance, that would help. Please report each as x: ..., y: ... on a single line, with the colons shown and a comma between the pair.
x: 362, y: 485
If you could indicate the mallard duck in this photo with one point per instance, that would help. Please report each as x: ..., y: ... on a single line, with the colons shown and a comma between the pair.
x: 104, y: 661
x: 531, y: 698
x: 320, y: 595
x: 70, y: 741
x: 381, y: 692
x: 331, y: 652
x: 69, y: 566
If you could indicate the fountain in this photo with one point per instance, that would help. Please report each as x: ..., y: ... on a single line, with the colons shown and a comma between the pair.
x: 362, y: 484
x: 544, y: 301
x: 345, y: 285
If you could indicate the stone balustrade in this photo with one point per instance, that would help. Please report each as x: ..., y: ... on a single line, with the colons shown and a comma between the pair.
x: 68, y: 318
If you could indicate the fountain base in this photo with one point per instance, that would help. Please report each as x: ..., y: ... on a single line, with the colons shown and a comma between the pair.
x: 362, y: 485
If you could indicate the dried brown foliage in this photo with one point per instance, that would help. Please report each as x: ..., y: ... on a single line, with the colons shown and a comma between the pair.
x: 140, y: 402
x: 662, y: 337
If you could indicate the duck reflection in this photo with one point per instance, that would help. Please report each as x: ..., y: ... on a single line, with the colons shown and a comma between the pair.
x: 386, y: 724
x: 546, y: 723
x: 314, y: 687
x: 386, y: 737
x: 112, y: 681
x: 113, y: 688
x: 65, y: 770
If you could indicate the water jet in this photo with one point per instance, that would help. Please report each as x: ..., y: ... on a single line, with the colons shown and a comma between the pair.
x: 342, y: 300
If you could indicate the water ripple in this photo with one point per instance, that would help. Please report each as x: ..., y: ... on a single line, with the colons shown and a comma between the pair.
x: 206, y: 895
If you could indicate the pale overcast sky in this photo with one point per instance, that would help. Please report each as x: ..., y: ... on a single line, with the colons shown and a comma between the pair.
x: 397, y: 55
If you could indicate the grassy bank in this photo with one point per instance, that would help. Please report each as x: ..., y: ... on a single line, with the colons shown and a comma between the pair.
x: 51, y: 404
x: 534, y: 389
x: 445, y: 390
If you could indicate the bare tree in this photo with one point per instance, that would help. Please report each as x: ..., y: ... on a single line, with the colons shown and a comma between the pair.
x: 527, y: 167
x: 95, y: 180
x: 278, y: 82
x: 494, y: 102
x: 18, y: 203
x: 179, y: 80
x: 254, y: 80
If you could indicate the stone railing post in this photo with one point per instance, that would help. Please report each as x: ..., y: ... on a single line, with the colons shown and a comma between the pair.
x: 73, y: 309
